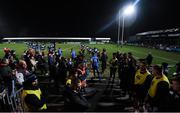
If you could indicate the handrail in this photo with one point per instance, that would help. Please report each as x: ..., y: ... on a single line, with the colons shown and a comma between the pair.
x: 13, y: 100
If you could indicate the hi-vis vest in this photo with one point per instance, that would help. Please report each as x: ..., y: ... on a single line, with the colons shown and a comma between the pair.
x: 154, y: 83
x: 113, y: 63
x: 68, y: 82
x: 34, y: 92
x: 140, y: 78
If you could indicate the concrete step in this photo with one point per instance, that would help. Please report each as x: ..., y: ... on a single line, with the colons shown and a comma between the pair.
x: 55, y: 99
x: 109, y: 107
x: 90, y: 92
x: 55, y: 104
x: 117, y: 87
x: 126, y: 97
x: 53, y: 107
x: 106, y: 104
x: 53, y: 95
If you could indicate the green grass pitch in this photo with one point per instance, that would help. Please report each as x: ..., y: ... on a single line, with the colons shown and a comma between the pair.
x: 138, y: 52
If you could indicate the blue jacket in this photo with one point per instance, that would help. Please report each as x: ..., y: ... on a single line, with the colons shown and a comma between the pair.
x: 60, y: 52
x: 95, y: 61
x: 73, y: 54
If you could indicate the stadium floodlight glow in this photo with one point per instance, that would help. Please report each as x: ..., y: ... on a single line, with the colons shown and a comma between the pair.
x: 129, y: 10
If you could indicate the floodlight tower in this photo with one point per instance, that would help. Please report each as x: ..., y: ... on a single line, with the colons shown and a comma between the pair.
x: 127, y: 11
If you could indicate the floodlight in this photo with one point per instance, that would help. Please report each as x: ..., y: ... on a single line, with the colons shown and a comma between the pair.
x: 130, y: 9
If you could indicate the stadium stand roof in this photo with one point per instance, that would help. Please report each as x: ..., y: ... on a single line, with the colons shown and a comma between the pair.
x: 169, y: 32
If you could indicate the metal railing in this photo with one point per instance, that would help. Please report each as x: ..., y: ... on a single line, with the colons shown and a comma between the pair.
x: 12, y: 101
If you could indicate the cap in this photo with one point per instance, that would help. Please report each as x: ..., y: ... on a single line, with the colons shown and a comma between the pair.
x: 31, y: 78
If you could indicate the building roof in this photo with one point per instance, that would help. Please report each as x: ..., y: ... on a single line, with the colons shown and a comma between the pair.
x: 169, y: 32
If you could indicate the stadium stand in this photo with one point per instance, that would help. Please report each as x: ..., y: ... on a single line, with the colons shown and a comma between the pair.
x: 168, y: 39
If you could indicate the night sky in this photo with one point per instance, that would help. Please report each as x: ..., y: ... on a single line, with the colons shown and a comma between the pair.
x: 83, y: 18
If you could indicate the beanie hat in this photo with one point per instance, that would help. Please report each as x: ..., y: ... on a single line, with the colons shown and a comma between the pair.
x: 31, y: 78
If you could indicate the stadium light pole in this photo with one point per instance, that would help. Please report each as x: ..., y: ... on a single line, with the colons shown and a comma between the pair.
x: 119, y: 27
x: 129, y: 10
x: 122, y: 37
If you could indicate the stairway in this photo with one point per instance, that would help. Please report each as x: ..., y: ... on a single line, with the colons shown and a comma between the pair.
x: 101, y: 98
x: 55, y: 100
x: 112, y: 99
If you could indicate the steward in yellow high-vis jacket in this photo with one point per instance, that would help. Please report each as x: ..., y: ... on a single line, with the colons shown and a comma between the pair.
x: 142, y: 81
x: 159, y: 90
x: 32, y: 95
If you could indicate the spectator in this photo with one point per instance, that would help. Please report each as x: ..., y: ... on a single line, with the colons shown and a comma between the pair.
x: 7, y: 53
x: 142, y: 83
x: 164, y: 66
x: 60, y: 52
x: 70, y: 64
x: 22, y: 68
x: 149, y: 59
x: 124, y: 78
x: 95, y: 65
x: 41, y: 63
x: 74, y: 101
x: 175, y: 94
x: 131, y: 72
x: 113, y: 67
x: 159, y: 90
x: 120, y: 66
x: 104, y: 58
x: 62, y: 71
x: 177, y: 69
x: 33, y: 99
x: 27, y: 59
x: 52, y: 68
x: 6, y: 73
x: 73, y: 54
x: 82, y: 76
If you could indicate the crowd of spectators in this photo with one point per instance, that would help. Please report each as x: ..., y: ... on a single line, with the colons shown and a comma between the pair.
x: 162, y: 43
x: 144, y: 83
